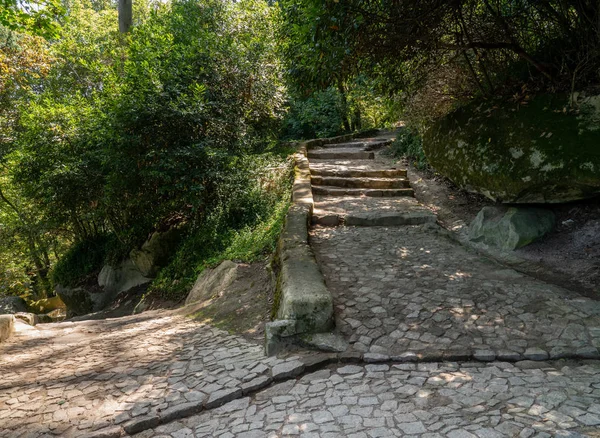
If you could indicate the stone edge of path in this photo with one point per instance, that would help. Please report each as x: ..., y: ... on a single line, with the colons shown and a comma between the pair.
x: 296, y: 369
x: 302, y: 302
x: 7, y: 327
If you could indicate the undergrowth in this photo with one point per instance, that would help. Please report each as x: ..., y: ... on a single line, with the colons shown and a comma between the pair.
x: 243, y: 229
x: 409, y: 144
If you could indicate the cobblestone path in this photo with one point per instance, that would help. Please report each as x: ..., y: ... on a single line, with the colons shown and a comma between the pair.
x: 499, y: 353
x: 429, y: 400
x: 403, y: 291
x: 67, y: 379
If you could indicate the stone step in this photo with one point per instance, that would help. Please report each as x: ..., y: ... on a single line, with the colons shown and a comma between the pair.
x: 358, y: 173
x: 375, y: 193
x: 352, y: 144
x: 366, y: 145
x: 343, y: 154
x: 361, y: 183
x: 374, y: 219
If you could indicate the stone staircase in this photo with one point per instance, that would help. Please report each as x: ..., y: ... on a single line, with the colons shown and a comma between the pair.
x: 352, y: 184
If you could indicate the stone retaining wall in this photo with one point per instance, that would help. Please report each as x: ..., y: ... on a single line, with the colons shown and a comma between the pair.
x: 304, y: 305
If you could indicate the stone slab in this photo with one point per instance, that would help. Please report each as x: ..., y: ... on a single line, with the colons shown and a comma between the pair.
x: 7, y: 327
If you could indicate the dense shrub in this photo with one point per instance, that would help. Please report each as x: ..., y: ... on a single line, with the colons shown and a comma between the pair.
x: 111, y: 134
x: 319, y: 115
x: 81, y: 260
x: 409, y: 144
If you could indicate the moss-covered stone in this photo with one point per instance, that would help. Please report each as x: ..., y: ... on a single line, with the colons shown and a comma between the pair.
x: 545, y: 151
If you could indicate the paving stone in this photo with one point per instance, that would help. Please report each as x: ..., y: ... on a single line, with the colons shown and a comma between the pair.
x: 221, y: 397
x: 140, y: 424
x: 256, y: 384
x: 287, y: 369
x: 535, y: 353
x: 180, y: 411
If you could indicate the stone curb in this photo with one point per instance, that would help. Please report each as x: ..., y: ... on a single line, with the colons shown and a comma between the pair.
x: 7, y: 327
x: 296, y: 369
x: 304, y: 305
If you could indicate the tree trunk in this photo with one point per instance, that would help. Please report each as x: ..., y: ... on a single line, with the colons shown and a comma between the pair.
x: 125, y: 15
x: 344, y: 108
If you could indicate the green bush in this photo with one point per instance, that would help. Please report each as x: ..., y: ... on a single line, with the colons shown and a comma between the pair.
x: 80, y: 261
x: 409, y: 144
x: 244, y: 225
x: 317, y: 116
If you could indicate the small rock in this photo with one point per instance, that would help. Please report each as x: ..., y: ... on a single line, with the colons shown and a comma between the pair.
x: 484, y: 355
x: 326, y: 342
x: 221, y: 397
x: 140, y: 424
x: 107, y: 432
x: 350, y: 369
x: 180, y: 411
x: 535, y: 353
x: 375, y: 357
x: 588, y: 353
x: 287, y: 369
x: 508, y: 355
x: 256, y: 384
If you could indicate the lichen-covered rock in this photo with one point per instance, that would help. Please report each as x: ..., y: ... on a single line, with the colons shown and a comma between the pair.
x: 11, y: 305
x: 213, y: 282
x: 544, y: 151
x: 509, y: 228
x: 156, y: 251
x: 120, y: 279
x: 46, y: 305
x: 78, y: 300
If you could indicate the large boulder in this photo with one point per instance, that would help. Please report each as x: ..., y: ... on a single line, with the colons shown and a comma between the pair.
x: 213, y: 282
x: 120, y: 279
x: 78, y: 300
x: 46, y: 305
x: 510, y: 228
x: 545, y: 150
x: 11, y: 305
x: 156, y: 251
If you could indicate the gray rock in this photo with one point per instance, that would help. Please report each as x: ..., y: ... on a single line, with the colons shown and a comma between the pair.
x: 30, y: 318
x: 508, y: 355
x: 510, y: 228
x: 156, y: 251
x: 303, y: 294
x: 213, y: 282
x: 79, y: 301
x: 180, y: 411
x: 484, y: 355
x: 588, y: 353
x: 219, y: 398
x: 350, y: 369
x: 287, y: 370
x: 124, y: 277
x: 279, y: 335
x: 11, y: 305
x: 256, y: 384
x: 140, y: 424
x: 7, y: 327
x: 107, y: 432
x: 535, y: 353
x: 534, y: 153
x: 375, y: 357
x: 326, y: 342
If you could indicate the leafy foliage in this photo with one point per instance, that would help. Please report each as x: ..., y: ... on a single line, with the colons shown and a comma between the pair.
x: 442, y: 54
x: 81, y: 260
x: 116, y: 135
x: 409, y: 144
x: 38, y: 17
x: 244, y: 227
